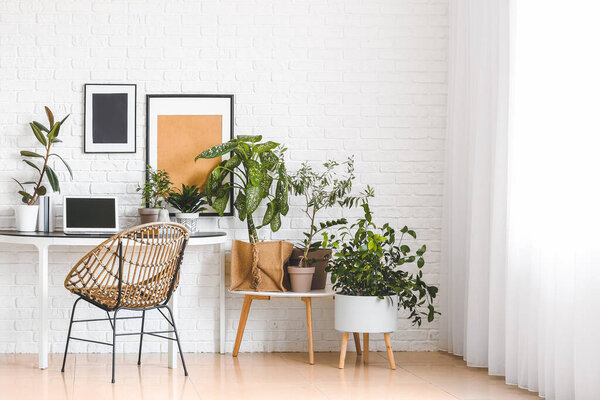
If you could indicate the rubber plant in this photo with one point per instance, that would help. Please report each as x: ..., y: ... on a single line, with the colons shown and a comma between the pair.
x: 325, y: 189
x: 47, y: 136
x: 260, y: 176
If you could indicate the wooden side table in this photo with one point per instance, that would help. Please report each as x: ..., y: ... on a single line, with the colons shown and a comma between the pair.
x: 306, y: 297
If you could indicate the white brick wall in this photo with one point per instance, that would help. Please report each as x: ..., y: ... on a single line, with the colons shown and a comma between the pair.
x: 327, y: 78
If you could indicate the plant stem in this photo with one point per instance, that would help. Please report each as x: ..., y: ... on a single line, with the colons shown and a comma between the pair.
x: 252, y: 234
x: 37, y: 186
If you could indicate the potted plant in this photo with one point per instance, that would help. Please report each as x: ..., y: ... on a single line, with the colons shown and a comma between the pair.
x: 26, y: 214
x: 189, y: 201
x: 370, y: 281
x: 320, y: 190
x: 260, y: 177
x: 154, y: 191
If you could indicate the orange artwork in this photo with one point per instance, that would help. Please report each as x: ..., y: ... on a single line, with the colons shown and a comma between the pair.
x: 180, y: 139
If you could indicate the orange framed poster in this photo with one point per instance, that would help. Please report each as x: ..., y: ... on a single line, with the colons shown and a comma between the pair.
x: 181, y: 126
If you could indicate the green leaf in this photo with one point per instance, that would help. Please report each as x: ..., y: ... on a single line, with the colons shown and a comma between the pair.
x: 25, y: 195
x: 270, y: 159
x: 41, y: 190
x: 20, y: 184
x: 38, y: 134
x: 62, y: 121
x: 253, y: 198
x: 232, y: 162
x: 54, y: 131
x: 64, y: 162
x: 32, y: 165
x: 249, y: 138
x: 26, y: 153
x: 41, y: 126
x: 262, y: 147
x: 217, y: 151
x: 265, y: 184
x: 276, y: 222
x: 420, y: 262
x: 53, y: 179
x: 412, y: 233
x: 220, y: 203
x: 254, y: 172
x: 50, y: 116
x: 240, y: 205
x: 55, y: 140
x: 271, y: 209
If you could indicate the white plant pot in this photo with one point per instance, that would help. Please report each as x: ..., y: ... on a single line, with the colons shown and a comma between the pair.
x: 189, y: 220
x: 26, y: 217
x: 366, y: 314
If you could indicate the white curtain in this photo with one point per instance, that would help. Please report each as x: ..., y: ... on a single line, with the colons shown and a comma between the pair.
x: 520, y: 254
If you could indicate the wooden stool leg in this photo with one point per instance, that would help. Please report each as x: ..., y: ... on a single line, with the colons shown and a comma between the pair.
x: 357, y: 343
x: 242, y: 324
x: 311, y: 353
x: 366, y: 347
x: 343, y: 350
x: 388, y: 345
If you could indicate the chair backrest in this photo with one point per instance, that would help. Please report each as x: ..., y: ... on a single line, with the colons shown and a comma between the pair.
x: 136, y: 268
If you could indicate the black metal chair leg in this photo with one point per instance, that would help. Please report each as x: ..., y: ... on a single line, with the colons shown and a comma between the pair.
x: 69, y: 335
x: 114, y: 344
x: 177, y: 337
x: 141, y: 337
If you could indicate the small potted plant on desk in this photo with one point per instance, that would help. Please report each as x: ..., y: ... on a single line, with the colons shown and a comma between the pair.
x: 320, y: 190
x: 190, y: 202
x: 154, y: 191
x: 26, y: 214
x: 371, y: 283
x: 260, y: 176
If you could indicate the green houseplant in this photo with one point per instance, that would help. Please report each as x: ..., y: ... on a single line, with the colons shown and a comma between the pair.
x: 323, y: 189
x: 154, y: 191
x: 260, y: 177
x: 369, y: 275
x: 26, y: 214
x: 189, y: 201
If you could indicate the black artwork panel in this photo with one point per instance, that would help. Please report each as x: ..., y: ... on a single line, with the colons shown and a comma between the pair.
x: 109, y: 117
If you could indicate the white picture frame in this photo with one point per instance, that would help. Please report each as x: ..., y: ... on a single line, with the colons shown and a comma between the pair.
x: 109, y: 118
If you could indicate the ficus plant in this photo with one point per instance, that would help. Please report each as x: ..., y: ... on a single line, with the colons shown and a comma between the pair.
x: 260, y: 176
x: 324, y: 189
x: 371, y: 261
x: 47, y: 136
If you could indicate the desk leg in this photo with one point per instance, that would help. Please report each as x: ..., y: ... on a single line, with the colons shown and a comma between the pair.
x: 43, y: 304
x: 172, y: 355
x: 243, y: 318
x: 311, y: 353
x: 221, y: 300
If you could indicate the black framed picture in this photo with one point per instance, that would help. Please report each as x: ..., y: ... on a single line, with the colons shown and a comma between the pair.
x: 109, y: 118
x: 181, y: 126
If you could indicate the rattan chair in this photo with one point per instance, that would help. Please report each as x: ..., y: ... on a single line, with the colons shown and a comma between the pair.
x: 137, y: 269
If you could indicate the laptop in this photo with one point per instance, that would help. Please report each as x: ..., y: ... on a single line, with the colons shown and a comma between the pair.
x: 90, y: 215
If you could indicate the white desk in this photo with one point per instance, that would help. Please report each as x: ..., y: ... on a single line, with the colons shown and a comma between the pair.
x: 42, y: 241
x: 306, y: 297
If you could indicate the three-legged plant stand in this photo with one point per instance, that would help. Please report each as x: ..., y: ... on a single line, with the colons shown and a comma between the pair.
x: 388, y: 345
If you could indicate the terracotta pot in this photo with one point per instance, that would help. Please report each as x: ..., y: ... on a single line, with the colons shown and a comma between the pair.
x: 148, y: 215
x: 319, y: 260
x: 301, y: 278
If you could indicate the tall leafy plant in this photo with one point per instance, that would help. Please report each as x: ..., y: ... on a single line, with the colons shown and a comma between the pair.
x: 370, y: 261
x: 260, y: 175
x: 47, y: 136
x: 327, y: 188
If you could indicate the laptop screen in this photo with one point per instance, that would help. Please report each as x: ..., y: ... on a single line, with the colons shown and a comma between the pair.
x: 90, y: 213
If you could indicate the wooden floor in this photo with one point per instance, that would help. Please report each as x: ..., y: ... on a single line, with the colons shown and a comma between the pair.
x: 264, y: 376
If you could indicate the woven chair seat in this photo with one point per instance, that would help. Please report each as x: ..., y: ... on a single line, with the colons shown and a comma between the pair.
x: 136, y: 268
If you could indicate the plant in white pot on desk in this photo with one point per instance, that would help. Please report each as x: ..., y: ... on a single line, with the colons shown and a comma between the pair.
x: 190, y: 202
x: 260, y: 177
x: 320, y: 190
x: 27, y: 214
x: 369, y: 276
x: 155, y: 190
